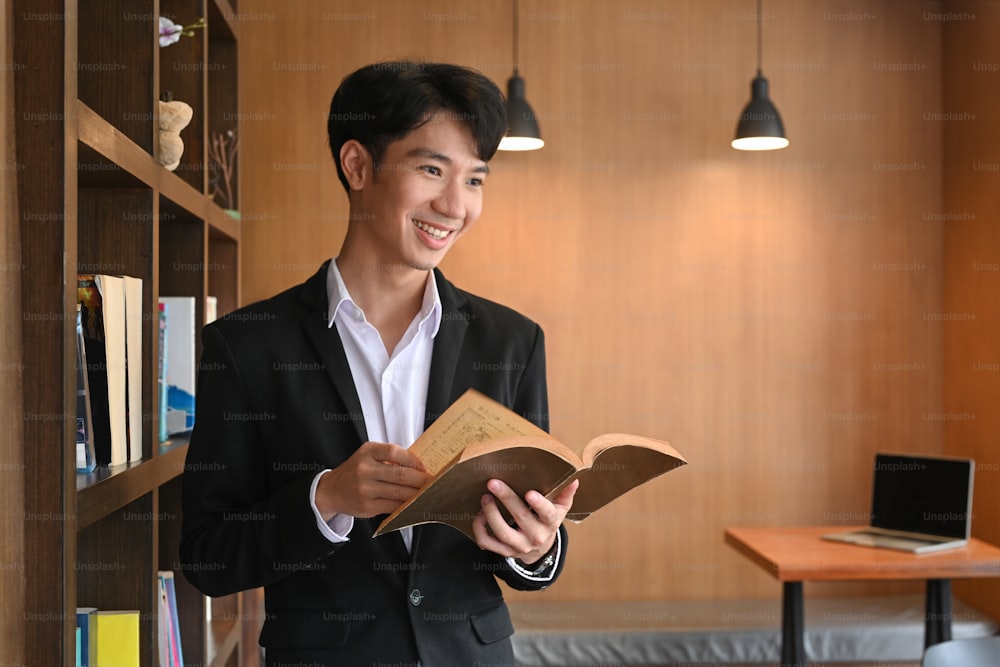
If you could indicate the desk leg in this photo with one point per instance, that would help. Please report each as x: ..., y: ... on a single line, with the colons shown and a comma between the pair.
x: 937, y: 623
x: 793, y: 653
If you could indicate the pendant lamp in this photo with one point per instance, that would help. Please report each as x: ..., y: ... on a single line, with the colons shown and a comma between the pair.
x: 760, y: 127
x: 522, y: 126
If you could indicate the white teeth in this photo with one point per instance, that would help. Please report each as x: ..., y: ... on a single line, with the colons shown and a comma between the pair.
x: 433, y: 231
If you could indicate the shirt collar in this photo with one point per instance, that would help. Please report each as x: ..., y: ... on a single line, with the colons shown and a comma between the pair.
x: 342, y: 305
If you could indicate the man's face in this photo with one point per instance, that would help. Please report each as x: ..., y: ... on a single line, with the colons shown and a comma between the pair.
x: 425, y: 194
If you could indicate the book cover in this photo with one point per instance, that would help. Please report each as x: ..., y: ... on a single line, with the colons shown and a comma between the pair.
x: 117, y: 638
x: 85, y: 458
x: 173, y: 625
x: 478, y: 439
x: 161, y: 372
x: 180, y: 363
x: 87, y: 625
x: 102, y: 301
x: 132, y: 288
x: 162, y: 624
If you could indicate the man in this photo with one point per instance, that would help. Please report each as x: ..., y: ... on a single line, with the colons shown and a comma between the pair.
x: 307, y: 402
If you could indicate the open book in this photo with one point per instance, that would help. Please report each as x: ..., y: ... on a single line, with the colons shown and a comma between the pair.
x: 478, y: 439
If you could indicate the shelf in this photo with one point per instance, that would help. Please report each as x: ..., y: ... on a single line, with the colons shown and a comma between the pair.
x: 94, y: 173
x: 222, y: 20
x: 117, y: 161
x: 221, y: 223
x: 107, y: 489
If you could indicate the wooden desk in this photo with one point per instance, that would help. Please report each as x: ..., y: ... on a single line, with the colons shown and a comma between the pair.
x: 793, y: 555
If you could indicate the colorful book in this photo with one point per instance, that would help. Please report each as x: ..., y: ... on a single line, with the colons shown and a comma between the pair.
x: 180, y: 363
x: 85, y: 459
x: 172, y: 650
x: 86, y: 625
x: 163, y: 625
x: 161, y: 373
x: 117, y: 638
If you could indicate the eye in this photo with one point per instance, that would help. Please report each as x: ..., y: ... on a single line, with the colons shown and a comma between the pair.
x: 431, y: 169
x: 476, y: 182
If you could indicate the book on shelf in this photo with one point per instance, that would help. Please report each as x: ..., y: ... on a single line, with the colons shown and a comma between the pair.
x: 169, y: 640
x: 111, y: 320
x: 117, y: 638
x: 86, y: 625
x: 85, y: 459
x: 179, y: 362
x: 477, y: 439
x: 163, y: 631
x: 161, y: 372
x: 133, y: 366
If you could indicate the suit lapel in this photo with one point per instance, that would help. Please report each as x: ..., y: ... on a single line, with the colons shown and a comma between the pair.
x: 447, y: 350
x: 326, y: 341
x: 441, y: 390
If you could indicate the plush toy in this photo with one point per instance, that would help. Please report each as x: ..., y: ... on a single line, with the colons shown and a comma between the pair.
x: 174, y: 117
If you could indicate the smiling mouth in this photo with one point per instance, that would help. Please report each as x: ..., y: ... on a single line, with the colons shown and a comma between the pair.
x: 433, y: 231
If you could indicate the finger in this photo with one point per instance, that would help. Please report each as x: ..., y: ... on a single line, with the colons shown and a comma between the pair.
x: 564, y: 500
x: 390, y: 453
x: 517, y: 537
x: 535, y: 524
x: 379, y: 490
x: 484, y: 538
x: 486, y: 526
x: 392, y: 473
x: 514, y: 504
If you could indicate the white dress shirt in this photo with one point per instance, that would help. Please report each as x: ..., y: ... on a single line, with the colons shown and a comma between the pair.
x: 392, y: 389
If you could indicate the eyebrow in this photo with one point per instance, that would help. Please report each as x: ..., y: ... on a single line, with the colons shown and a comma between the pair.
x: 441, y: 157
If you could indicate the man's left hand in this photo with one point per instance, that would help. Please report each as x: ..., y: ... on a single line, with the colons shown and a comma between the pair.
x: 536, y: 521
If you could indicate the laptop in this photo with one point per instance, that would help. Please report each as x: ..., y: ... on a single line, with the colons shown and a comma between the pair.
x: 920, y: 504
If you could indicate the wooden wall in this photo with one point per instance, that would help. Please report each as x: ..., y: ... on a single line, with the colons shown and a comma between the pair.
x: 775, y: 316
x: 971, y: 247
x: 12, y: 565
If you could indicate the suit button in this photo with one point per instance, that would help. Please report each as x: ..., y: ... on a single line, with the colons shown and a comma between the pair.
x: 416, y: 597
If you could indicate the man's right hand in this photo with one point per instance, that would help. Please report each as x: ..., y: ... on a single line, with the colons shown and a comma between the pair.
x: 376, y: 479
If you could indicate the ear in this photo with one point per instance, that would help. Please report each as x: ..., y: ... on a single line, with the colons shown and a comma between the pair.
x: 356, y: 163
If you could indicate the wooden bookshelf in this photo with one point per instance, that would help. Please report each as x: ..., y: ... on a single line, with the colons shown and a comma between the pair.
x: 95, y: 199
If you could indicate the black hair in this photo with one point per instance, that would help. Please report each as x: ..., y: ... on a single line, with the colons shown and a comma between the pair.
x: 383, y: 102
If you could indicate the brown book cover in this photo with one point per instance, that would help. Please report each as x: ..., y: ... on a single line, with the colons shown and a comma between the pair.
x: 478, y: 439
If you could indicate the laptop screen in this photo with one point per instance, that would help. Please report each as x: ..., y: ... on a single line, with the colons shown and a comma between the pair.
x: 919, y: 494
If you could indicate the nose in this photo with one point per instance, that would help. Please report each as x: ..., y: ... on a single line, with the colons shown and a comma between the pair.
x: 451, y: 200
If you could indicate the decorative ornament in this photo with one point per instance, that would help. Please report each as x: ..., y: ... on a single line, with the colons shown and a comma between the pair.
x: 222, y: 158
x: 174, y: 117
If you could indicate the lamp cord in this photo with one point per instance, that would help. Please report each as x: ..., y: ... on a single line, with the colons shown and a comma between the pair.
x: 515, y: 36
x: 760, y: 36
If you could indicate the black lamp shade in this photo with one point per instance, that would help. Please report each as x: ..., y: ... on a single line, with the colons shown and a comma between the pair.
x: 522, y: 127
x: 759, y: 127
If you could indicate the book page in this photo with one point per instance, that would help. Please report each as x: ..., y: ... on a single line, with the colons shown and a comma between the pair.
x: 472, y: 418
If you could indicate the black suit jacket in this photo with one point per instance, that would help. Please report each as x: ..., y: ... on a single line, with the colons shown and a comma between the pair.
x: 276, y: 404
